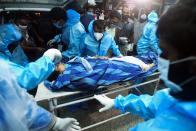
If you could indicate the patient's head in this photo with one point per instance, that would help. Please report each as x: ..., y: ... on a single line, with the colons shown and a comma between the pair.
x: 177, y: 33
x: 60, y: 68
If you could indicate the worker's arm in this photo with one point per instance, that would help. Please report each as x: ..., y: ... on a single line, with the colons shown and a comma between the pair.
x: 115, y: 48
x: 36, y: 117
x: 145, y: 106
x: 23, y: 107
x: 154, y: 42
x: 83, y: 47
x: 35, y: 72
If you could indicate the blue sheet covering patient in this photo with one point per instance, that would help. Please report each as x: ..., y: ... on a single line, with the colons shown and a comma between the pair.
x: 91, y: 72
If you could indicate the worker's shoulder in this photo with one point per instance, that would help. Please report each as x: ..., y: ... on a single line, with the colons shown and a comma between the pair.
x: 79, y: 27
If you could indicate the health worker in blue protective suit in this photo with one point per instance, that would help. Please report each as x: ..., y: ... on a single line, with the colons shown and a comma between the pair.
x: 148, y: 40
x: 97, y: 42
x: 19, y: 111
x: 72, y: 29
x: 171, y: 109
x: 30, y: 75
x: 88, y: 14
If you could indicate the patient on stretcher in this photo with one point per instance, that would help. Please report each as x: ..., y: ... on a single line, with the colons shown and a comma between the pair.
x: 91, y: 72
x: 129, y: 59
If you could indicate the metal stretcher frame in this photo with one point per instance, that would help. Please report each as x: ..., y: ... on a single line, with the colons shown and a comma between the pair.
x: 53, y: 98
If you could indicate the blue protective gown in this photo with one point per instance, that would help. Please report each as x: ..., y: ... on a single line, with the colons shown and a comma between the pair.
x: 30, y: 75
x: 149, y: 41
x: 86, y: 19
x: 10, y: 33
x: 92, y: 47
x: 161, y: 112
x: 73, y: 32
x: 18, y: 111
x: 18, y: 56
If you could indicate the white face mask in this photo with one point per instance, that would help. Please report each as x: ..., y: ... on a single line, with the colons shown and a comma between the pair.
x: 23, y: 27
x: 98, y: 36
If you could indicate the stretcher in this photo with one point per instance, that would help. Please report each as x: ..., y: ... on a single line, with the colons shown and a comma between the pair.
x: 44, y: 94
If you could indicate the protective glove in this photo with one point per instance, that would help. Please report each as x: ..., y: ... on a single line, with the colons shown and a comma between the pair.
x: 107, y: 102
x: 66, y: 124
x: 54, y: 54
x: 56, y: 39
x: 50, y: 43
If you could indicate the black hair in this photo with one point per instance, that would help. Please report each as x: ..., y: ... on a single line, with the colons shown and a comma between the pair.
x: 58, y: 13
x: 74, y: 5
x: 99, y: 24
x: 115, y: 14
x: 178, y: 28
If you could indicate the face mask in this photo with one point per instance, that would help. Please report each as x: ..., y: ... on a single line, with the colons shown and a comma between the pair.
x: 163, y: 66
x: 98, y: 36
x: 23, y: 27
x: 143, y: 17
x: 58, y: 25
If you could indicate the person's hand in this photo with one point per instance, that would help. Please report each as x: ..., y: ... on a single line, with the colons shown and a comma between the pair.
x: 54, y: 54
x: 50, y: 43
x: 107, y: 102
x: 60, y: 68
x: 56, y: 39
x: 147, y: 67
x: 66, y: 124
x: 101, y: 57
